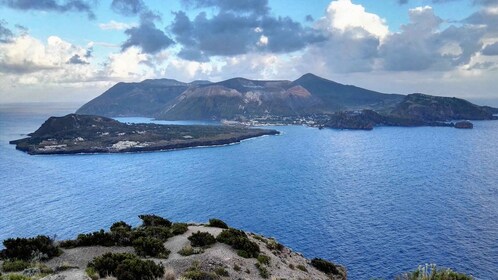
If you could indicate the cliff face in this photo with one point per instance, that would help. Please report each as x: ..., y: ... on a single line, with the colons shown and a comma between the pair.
x: 436, y: 108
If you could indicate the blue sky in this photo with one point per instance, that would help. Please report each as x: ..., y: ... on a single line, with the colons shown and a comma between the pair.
x: 54, y: 50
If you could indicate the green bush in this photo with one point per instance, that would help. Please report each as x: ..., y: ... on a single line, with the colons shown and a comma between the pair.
x: 325, y: 266
x: 221, y: 271
x: 40, y: 247
x: 15, y: 265
x: 272, y: 244
x: 194, y: 273
x: 179, y: 228
x: 153, y: 220
x: 263, y: 259
x: 92, y: 273
x: 137, y: 269
x: 239, y: 241
x: 150, y: 246
x: 15, y: 277
x: 263, y: 272
x: 97, y: 238
x: 159, y: 232
x: 120, y: 226
x: 431, y: 272
x: 125, y: 266
x: 302, y: 267
x: 217, y: 223
x: 201, y: 239
x: 188, y: 250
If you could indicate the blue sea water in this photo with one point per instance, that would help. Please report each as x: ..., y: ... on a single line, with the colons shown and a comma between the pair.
x: 380, y: 202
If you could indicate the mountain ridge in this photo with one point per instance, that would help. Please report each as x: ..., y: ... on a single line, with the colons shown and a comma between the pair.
x: 241, y: 98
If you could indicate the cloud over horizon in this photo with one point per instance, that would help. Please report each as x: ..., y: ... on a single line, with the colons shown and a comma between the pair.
x: 217, y: 39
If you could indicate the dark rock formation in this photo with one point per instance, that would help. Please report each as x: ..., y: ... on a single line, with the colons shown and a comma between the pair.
x: 437, y: 108
x: 464, y: 125
x: 94, y: 134
x: 368, y: 119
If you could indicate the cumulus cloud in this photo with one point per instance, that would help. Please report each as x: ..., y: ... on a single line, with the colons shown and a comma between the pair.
x: 77, y: 59
x: 51, y: 5
x: 147, y: 36
x: 486, y: 17
x: 239, y: 27
x: 343, y: 15
x: 421, y: 45
x: 5, y: 33
x: 491, y: 49
x: 128, y: 7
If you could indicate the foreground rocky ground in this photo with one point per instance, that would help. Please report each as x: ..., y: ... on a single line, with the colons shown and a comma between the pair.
x: 213, y: 261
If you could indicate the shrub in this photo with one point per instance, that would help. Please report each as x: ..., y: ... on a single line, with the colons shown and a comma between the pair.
x: 263, y: 259
x: 239, y: 241
x: 302, y: 267
x: 201, y: 239
x: 120, y: 226
x: 272, y: 244
x: 92, y: 273
x: 16, y: 277
x: 179, y: 228
x: 263, y: 272
x: 97, y: 238
x: 125, y: 266
x: 159, y: 232
x: 221, y: 271
x: 153, y: 220
x: 188, y: 250
x: 217, y: 223
x: 149, y: 246
x: 431, y: 272
x: 194, y: 273
x: 15, y: 265
x: 137, y: 269
x: 325, y: 266
x: 40, y: 247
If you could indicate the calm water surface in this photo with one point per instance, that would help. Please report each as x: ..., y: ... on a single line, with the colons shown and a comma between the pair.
x: 380, y: 202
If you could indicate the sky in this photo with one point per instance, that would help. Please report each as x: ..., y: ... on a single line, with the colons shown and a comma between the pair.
x: 73, y: 50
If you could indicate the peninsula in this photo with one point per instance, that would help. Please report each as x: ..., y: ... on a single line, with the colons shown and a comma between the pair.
x: 72, y: 134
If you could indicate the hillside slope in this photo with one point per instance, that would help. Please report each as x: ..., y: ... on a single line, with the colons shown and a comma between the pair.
x: 241, y: 98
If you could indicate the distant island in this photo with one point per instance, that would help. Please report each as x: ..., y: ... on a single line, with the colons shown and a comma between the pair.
x: 309, y: 100
x: 74, y: 134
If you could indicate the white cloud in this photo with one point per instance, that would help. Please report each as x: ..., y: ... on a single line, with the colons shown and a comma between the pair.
x: 114, y: 25
x: 128, y: 64
x: 263, y: 40
x: 344, y: 15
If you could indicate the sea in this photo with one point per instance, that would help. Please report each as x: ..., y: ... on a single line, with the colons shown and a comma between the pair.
x: 379, y: 202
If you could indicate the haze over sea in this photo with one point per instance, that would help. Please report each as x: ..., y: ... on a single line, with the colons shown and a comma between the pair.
x: 380, y: 202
